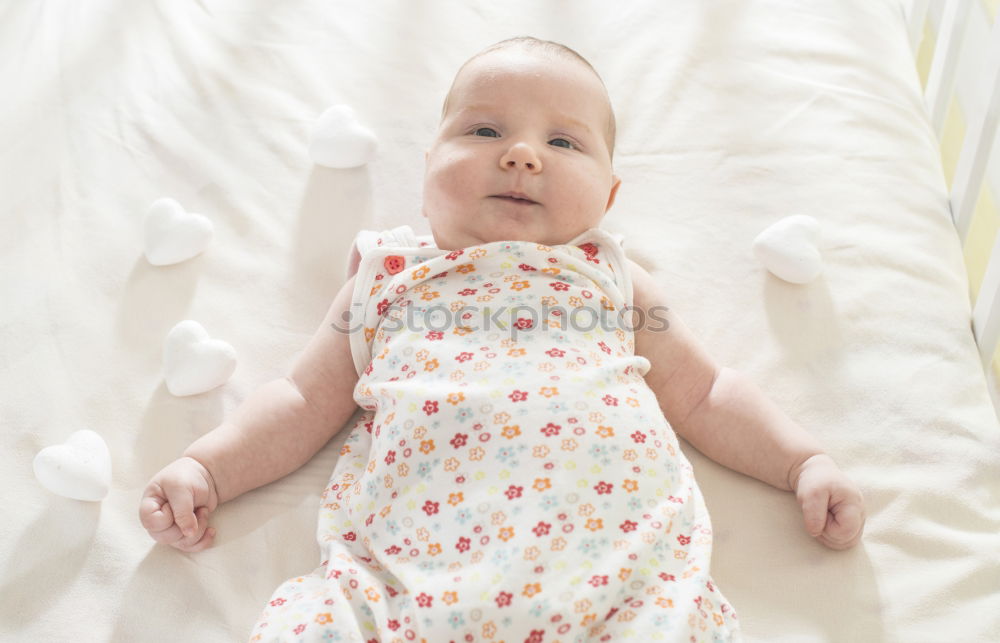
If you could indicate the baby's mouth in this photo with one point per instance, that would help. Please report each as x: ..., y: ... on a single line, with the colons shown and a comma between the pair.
x: 515, y: 197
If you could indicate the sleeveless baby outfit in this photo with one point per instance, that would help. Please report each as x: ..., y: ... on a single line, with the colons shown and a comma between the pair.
x: 511, y: 477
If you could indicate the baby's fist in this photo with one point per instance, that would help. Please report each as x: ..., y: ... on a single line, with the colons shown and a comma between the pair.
x: 832, y: 505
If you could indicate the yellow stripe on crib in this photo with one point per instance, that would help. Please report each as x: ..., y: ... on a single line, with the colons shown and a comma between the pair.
x: 986, y: 218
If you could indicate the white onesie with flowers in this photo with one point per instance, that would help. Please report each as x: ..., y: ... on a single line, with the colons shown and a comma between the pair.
x: 512, y: 477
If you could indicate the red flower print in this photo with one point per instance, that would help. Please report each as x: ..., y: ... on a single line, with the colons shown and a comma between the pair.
x: 513, y: 492
x: 639, y: 437
x: 550, y: 429
x: 392, y: 551
x: 589, y: 249
x: 350, y: 536
x: 559, y: 285
x: 536, y: 636
x: 603, y: 487
x: 394, y: 263
x: 523, y: 323
x: 524, y: 266
x: 611, y: 612
x: 503, y: 599
x: 463, y: 544
x: 434, y: 335
x: 682, y: 539
x: 277, y: 602
x: 459, y: 440
x: 300, y: 629
x: 392, y: 624
x: 518, y: 396
x: 541, y: 529
x: 464, y: 356
x: 604, y: 347
x: 555, y: 352
x: 628, y: 525
x: 423, y: 600
x: 597, y: 581
x: 610, y: 400
x: 390, y: 457
x: 465, y: 292
x: 667, y: 577
x: 430, y: 507
x: 453, y: 255
x: 382, y: 306
x: 430, y: 407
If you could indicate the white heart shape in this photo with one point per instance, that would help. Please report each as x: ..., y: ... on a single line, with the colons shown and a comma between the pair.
x: 789, y: 249
x: 193, y: 362
x: 172, y: 235
x: 339, y: 141
x: 80, y: 468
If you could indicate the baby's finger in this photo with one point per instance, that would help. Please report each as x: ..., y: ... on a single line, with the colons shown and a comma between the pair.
x: 155, y: 514
x: 814, y: 511
x: 182, y: 503
x: 845, y: 527
x: 204, y: 542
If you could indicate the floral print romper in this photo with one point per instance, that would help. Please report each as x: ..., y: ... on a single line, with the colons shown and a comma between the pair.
x: 511, y: 477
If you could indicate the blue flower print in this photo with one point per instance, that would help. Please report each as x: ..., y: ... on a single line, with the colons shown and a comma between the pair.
x: 549, y: 502
x: 463, y: 516
x: 464, y: 414
x: 455, y: 620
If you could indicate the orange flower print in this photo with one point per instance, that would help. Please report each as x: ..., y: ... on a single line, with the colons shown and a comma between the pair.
x: 630, y: 485
x: 455, y: 398
x: 501, y: 418
x: 506, y: 533
x: 450, y: 598
x: 426, y: 446
x: 629, y: 455
x: 372, y: 594
x: 541, y: 484
x: 664, y: 602
x: 452, y: 464
x: 477, y: 253
x: 558, y: 543
x: 540, y: 451
x: 489, y: 629
x: 631, y: 401
x: 605, y: 431
x: 624, y: 573
x: 549, y: 391
x: 369, y: 333
x: 419, y: 273
x: 516, y: 352
x: 433, y: 549
x: 455, y: 498
x: 586, y: 509
x: 422, y: 354
x: 465, y: 268
x: 593, y: 524
x: 569, y: 444
x: 428, y: 296
x: 511, y: 432
x: 477, y: 453
x: 324, y: 618
x: 461, y: 330
x: 531, y: 589
x: 520, y: 285
x: 431, y: 364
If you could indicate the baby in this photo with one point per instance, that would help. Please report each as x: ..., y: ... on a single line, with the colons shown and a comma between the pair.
x: 515, y: 475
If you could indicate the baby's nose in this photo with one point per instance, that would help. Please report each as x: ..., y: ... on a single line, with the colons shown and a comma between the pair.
x: 521, y: 156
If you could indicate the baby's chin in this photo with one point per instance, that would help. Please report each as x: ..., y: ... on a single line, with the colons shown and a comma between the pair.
x: 460, y: 240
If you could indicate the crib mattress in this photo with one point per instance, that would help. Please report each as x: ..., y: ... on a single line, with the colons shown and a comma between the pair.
x: 731, y: 115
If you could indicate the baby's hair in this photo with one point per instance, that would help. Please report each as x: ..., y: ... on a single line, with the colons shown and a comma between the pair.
x: 550, y: 47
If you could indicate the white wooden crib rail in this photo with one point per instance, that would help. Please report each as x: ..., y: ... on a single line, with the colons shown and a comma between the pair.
x: 981, y: 126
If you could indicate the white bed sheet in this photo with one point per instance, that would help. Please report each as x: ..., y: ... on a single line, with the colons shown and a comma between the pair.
x: 731, y: 114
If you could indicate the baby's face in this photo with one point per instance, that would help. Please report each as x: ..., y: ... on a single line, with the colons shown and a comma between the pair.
x: 522, y: 123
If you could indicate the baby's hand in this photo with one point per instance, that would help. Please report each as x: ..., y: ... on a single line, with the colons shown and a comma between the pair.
x: 832, y: 506
x: 176, y: 504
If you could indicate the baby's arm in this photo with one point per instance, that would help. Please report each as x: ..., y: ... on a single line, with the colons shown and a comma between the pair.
x: 725, y: 416
x: 276, y: 430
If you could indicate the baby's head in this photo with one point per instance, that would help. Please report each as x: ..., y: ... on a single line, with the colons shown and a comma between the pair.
x: 526, y: 117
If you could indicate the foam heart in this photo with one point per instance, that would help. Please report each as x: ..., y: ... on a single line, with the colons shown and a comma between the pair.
x: 172, y: 235
x: 338, y: 140
x: 789, y: 249
x: 80, y: 468
x: 193, y: 362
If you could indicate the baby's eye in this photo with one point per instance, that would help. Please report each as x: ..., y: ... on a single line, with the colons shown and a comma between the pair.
x: 486, y: 131
x: 561, y: 142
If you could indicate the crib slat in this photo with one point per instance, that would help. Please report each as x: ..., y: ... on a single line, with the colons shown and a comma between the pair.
x: 915, y: 22
x: 986, y: 313
x: 978, y: 144
x: 941, y: 79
